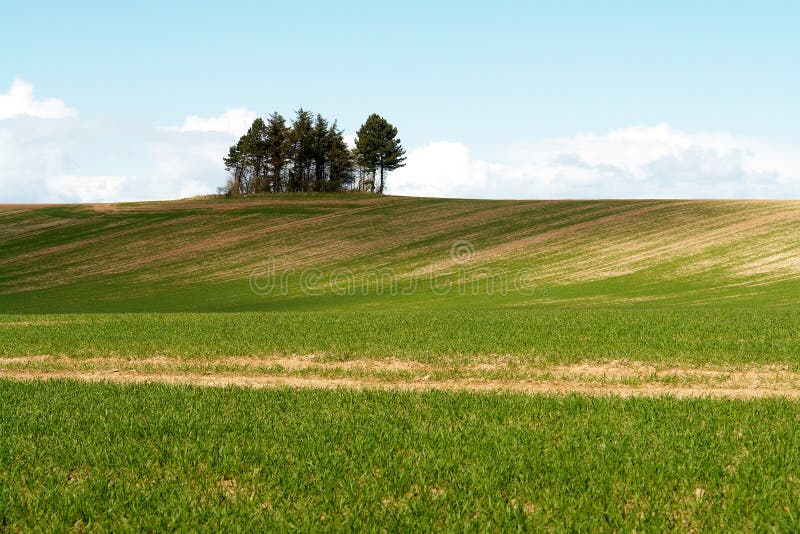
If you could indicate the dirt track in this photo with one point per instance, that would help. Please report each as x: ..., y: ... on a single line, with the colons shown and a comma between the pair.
x: 624, y: 379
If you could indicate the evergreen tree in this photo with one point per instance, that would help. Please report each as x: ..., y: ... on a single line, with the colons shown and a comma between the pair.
x: 301, y: 151
x: 277, y: 151
x: 234, y: 164
x: 321, y: 147
x: 340, y: 161
x: 378, y: 149
x: 366, y: 155
x: 254, y: 154
x: 311, y: 155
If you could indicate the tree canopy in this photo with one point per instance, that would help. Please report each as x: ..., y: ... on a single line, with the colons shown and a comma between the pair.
x: 311, y: 154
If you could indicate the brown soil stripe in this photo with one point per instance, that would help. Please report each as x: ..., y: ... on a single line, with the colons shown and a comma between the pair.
x: 623, y: 379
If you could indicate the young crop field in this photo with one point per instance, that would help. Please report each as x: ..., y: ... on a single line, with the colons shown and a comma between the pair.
x: 108, y: 457
x: 393, y: 362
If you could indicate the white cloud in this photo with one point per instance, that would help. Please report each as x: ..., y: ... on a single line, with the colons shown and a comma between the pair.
x: 103, y: 161
x: 636, y: 162
x: 442, y: 168
x: 234, y: 121
x: 85, y: 188
x: 19, y: 102
x: 192, y: 161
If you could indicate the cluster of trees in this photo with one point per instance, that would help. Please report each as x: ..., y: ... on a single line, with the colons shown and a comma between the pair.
x: 310, y: 154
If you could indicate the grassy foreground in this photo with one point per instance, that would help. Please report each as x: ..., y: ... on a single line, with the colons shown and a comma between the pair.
x: 95, y: 456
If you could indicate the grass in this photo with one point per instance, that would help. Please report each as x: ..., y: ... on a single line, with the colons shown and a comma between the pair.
x: 100, y: 457
x: 550, y: 336
x: 677, y: 284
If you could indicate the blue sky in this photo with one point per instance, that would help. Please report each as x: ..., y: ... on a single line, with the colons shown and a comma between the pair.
x: 502, y: 89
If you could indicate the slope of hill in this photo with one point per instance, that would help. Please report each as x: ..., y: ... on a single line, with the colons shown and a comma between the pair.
x: 298, y: 252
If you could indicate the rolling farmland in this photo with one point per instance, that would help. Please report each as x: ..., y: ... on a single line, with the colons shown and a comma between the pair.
x: 480, y: 345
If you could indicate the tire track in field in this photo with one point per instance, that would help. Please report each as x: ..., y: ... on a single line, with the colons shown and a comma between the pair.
x: 615, y: 378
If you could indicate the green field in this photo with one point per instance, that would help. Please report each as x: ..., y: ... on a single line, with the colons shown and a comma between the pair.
x: 106, y: 457
x: 685, y: 336
x: 419, y: 304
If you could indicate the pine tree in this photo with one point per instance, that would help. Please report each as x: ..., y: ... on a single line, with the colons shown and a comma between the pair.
x: 254, y: 154
x: 300, y: 151
x: 311, y: 155
x: 321, y: 148
x: 378, y: 149
x: 234, y: 164
x: 277, y: 151
x: 340, y: 161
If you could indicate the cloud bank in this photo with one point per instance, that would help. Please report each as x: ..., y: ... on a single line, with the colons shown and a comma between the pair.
x: 48, y: 154
x: 637, y: 162
x: 86, y: 188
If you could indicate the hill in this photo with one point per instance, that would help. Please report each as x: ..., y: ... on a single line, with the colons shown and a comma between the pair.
x: 209, y: 254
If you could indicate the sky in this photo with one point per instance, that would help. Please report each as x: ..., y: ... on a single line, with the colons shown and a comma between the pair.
x: 111, y: 101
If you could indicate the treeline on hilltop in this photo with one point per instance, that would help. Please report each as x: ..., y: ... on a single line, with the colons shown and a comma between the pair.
x: 310, y: 154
